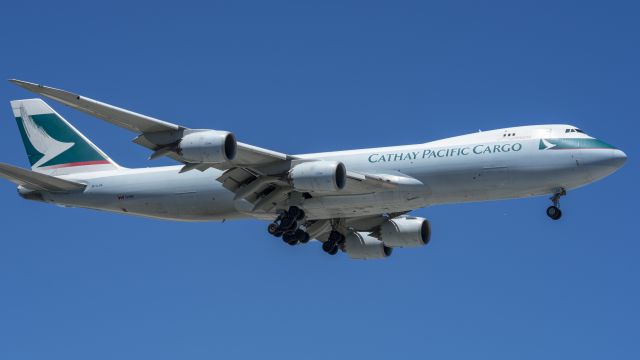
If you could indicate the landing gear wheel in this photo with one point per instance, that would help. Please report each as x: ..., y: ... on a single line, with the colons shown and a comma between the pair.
x: 288, y: 222
x: 328, y: 246
x: 300, y: 235
x: 554, y: 213
x: 305, y: 239
x: 290, y: 227
x: 335, y: 236
x: 333, y: 251
x: 273, y: 229
x: 332, y: 245
x: 290, y: 238
x: 294, y: 211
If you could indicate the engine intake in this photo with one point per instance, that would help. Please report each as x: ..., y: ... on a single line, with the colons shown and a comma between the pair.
x: 318, y: 176
x: 406, y: 232
x: 208, y: 146
x: 359, y: 245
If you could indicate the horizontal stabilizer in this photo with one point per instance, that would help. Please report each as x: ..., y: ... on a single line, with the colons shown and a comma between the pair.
x: 37, y: 181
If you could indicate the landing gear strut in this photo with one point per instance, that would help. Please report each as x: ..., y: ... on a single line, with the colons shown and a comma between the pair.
x: 287, y: 225
x: 553, y: 211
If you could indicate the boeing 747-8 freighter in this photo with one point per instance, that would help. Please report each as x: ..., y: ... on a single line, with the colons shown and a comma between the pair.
x: 356, y: 201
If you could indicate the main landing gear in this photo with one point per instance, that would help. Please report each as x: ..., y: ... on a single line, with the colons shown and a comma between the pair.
x: 553, y: 211
x: 334, y: 243
x: 287, y: 226
x: 292, y: 227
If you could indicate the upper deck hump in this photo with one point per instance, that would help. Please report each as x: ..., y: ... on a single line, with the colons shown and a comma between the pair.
x: 512, y: 133
x: 503, y: 134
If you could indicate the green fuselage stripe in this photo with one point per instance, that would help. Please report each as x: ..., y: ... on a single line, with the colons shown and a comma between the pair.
x: 565, y: 144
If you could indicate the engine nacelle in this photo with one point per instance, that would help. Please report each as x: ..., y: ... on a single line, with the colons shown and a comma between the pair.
x: 359, y: 245
x: 318, y: 176
x: 208, y: 146
x: 406, y: 232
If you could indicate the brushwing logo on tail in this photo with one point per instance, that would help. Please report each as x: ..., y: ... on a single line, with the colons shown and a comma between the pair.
x: 49, y: 147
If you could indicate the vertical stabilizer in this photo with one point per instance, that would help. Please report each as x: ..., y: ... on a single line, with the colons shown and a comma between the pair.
x: 53, y: 145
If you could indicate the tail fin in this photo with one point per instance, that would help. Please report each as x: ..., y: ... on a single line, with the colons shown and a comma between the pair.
x: 53, y: 145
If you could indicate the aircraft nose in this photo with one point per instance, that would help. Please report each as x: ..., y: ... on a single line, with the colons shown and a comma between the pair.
x: 602, y: 162
x: 618, y: 158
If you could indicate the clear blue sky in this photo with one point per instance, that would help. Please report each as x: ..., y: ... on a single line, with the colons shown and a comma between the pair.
x: 498, y: 281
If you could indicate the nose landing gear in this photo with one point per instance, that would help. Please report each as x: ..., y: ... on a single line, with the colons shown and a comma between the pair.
x: 553, y: 211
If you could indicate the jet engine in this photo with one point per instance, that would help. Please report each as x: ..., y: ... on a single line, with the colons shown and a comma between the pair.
x: 405, y: 232
x: 208, y: 146
x: 318, y: 176
x: 359, y: 245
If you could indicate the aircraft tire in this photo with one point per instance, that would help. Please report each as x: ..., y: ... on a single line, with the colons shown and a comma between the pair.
x: 273, y: 229
x: 327, y: 246
x: 288, y: 222
x: 554, y: 213
x: 333, y: 250
x: 300, y: 235
x: 305, y: 238
x: 290, y: 238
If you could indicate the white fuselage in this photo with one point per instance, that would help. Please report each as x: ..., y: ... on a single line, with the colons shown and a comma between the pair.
x: 499, y: 164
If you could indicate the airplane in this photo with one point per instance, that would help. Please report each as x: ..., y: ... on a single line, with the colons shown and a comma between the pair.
x: 354, y: 201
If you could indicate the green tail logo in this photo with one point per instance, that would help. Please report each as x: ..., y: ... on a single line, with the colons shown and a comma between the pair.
x: 51, y: 142
x: 47, y: 147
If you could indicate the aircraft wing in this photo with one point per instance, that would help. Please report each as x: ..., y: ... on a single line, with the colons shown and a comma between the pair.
x: 115, y: 115
x: 154, y: 133
x: 255, y: 174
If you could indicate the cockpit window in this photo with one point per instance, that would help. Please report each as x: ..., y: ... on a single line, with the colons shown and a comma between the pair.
x: 573, y: 130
